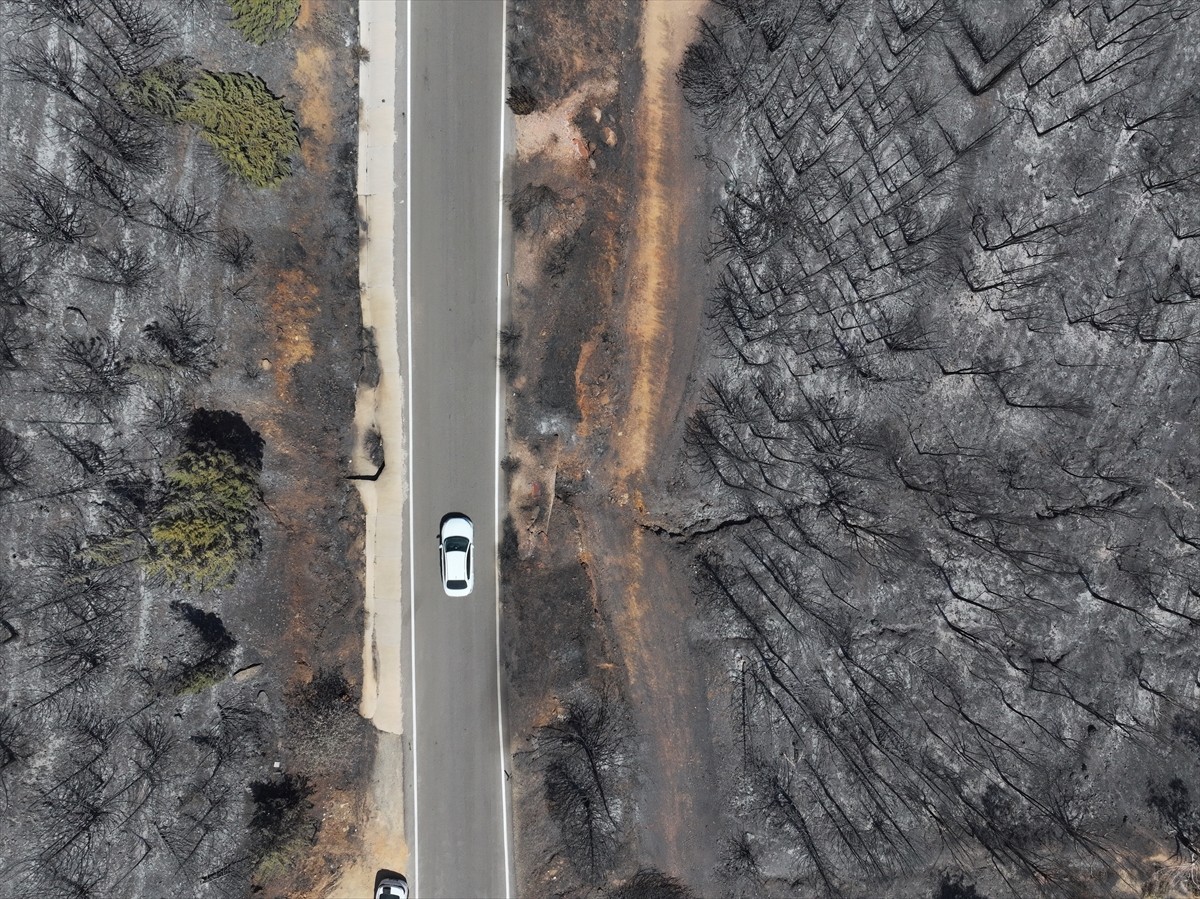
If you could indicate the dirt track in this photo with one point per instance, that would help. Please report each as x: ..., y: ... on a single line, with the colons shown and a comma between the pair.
x: 645, y: 587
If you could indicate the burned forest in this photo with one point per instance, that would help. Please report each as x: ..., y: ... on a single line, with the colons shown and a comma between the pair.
x: 946, y: 536
x: 166, y: 673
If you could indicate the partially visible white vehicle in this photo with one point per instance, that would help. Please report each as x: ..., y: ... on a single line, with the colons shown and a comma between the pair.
x: 392, y: 888
x: 456, y: 545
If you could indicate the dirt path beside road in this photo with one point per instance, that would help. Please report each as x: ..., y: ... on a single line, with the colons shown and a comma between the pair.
x: 631, y: 382
x: 648, y: 592
x: 657, y: 314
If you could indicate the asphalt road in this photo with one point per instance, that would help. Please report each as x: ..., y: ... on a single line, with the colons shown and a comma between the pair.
x: 454, y: 130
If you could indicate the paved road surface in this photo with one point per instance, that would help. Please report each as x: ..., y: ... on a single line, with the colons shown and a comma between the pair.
x: 455, y: 126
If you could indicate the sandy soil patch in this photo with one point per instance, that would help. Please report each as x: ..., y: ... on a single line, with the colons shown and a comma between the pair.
x: 553, y: 131
x: 293, y: 305
x: 667, y: 28
x: 647, y: 613
x: 316, y: 107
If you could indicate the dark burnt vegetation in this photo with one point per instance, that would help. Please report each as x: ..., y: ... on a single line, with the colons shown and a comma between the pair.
x: 131, y: 762
x: 324, y: 714
x: 955, y: 566
x: 203, y: 654
x: 583, y: 757
x: 532, y: 205
x: 651, y: 884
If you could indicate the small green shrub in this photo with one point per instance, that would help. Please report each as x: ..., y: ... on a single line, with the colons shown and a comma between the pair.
x: 200, y: 677
x: 258, y: 21
x: 251, y: 129
x: 279, y: 860
x: 281, y: 823
x: 110, y: 550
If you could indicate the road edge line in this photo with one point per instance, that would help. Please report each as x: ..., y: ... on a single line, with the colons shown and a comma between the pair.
x: 508, y: 892
x: 412, y: 549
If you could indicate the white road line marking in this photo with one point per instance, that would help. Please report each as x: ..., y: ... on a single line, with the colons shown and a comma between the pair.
x: 499, y: 444
x: 412, y: 551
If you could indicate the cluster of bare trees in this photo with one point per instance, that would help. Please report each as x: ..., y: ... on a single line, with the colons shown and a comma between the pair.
x: 95, y: 220
x: 583, y: 758
x: 102, y: 792
x: 958, y: 571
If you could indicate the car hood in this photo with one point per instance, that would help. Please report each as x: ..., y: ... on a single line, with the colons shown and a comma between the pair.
x: 457, y: 527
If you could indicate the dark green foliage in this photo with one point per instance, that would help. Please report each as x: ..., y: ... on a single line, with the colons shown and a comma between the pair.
x: 249, y: 127
x: 160, y: 89
x: 208, y: 525
x: 259, y: 21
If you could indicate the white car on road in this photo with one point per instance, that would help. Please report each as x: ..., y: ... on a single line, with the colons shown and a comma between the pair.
x: 392, y: 888
x: 456, y: 543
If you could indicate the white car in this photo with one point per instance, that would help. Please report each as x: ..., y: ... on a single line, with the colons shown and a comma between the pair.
x: 392, y: 888
x: 456, y: 544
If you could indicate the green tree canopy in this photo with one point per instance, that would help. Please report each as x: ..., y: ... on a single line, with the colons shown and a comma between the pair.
x: 251, y: 129
x: 159, y: 89
x: 208, y: 525
x: 258, y: 21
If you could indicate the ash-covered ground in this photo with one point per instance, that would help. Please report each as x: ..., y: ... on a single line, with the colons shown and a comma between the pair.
x: 924, y: 518
x: 178, y: 357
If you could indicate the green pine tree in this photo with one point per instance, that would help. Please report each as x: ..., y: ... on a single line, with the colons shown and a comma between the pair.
x: 251, y: 129
x: 258, y: 21
x: 208, y: 525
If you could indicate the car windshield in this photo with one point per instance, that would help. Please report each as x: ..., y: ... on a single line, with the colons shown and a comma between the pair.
x: 457, y: 544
